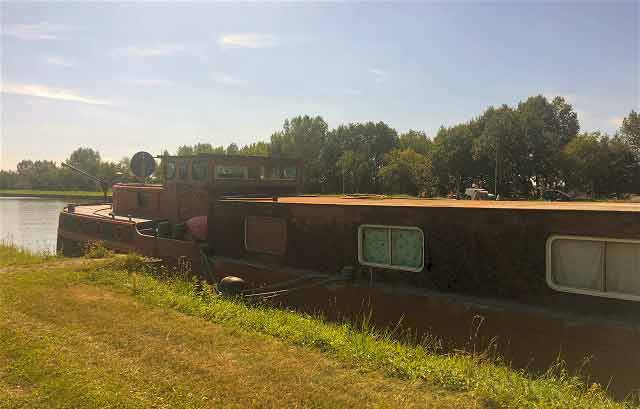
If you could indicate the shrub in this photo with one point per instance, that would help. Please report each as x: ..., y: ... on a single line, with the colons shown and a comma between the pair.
x: 97, y: 249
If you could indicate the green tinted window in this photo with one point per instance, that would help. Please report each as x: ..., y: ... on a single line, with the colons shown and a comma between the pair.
x: 406, y: 248
x: 375, y: 245
x: 290, y: 172
x: 182, y: 169
x: 170, y: 169
x: 394, y: 247
x: 232, y: 172
x: 199, y: 169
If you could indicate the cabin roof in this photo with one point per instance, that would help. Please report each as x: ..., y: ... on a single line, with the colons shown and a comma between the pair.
x: 373, y: 200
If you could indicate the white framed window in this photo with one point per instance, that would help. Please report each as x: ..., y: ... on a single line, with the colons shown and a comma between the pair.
x: 392, y: 247
x: 598, y: 266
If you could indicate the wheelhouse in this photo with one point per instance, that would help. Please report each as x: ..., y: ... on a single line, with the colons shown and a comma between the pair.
x: 192, y: 183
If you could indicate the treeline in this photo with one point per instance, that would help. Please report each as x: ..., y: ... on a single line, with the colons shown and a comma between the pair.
x: 516, y: 151
x: 48, y: 175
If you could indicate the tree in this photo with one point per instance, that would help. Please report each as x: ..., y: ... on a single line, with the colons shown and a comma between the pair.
x: 85, y: 159
x: 417, y: 141
x: 500, y: 153
x: 587, y: 157
x: 630, y: 132
x: 354, y: 169
x: 232, y: 149
x: 369, y: 142
x: 547, y: 128
x: 185, y: 150
x: 406, y: 171
x: 302, y: 137
x: 453, y: 159
x: 256, y: 149
x: 623, y: 167
x: 8, y: 179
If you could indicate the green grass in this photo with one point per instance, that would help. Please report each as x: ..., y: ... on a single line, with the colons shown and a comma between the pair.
x: 54, y: 193
x: 449, y: 380
x: 373, y: 349
x: 68, y: 341
x: 12, y: 255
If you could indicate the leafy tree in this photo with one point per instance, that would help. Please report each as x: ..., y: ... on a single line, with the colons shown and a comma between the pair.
x: 407, y: 171
x: 8, y: 179
x: 369, y: 142
x: 500, y: 152
x: 256, y: 149
x: 547, y: 128
x: 416, y: 141
x: 623, y: 167
x: 232, y: 149
x: 630, y: 132
x: 587, y: 156
x: 302, y: 137
x: 85, y: 159
x: 185, y: 150
x: 452, y: 158
x: 354, y: 169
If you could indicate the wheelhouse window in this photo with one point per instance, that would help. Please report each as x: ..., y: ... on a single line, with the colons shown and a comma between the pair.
x: 182, y: 169
x: 199, y: 169
x: 279, y: 172
x: 232, y: 172
x: 393, y: 247
x: 290, y: 172
x: 170, y: 169
x: 602, y: 267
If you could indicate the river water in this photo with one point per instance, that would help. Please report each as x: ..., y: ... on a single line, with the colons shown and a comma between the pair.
x: 31, y: 223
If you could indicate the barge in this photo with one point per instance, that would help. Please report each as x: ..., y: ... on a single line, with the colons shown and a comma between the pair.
x: 533, y: 281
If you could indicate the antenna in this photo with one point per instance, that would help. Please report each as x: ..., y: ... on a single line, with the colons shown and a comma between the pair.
x: 103, y: 183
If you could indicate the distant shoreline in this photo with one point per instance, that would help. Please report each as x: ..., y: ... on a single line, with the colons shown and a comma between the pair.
x: 52, y: 194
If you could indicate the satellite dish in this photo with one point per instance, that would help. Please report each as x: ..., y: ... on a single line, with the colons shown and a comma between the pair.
x: 142, y: 164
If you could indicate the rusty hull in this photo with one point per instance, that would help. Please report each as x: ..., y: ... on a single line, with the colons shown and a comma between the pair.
x: 485, y: 264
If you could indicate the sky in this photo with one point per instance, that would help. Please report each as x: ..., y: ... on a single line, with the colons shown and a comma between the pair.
x: 124, y: 77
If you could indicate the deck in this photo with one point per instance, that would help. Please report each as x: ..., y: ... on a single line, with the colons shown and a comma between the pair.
x: 448, y: 203
x: 103, y: 210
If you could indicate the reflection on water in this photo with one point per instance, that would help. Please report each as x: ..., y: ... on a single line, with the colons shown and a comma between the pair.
x: 30, y: 222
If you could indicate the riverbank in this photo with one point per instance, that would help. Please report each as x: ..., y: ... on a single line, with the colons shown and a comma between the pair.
x: 96, y: 333
x: 52, y: 194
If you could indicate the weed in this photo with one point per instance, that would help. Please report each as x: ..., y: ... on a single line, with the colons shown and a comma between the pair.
x: 97, y: 249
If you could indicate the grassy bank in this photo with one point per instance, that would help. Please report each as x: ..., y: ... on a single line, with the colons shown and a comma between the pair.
x: 99, y: 333
x: 11, y: 255
x: 73, y: 194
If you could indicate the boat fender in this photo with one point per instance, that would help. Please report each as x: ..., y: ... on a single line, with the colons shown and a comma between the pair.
x: 231, y: 286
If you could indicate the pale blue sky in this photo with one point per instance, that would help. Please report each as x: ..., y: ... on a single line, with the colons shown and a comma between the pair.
x: 127, y: 77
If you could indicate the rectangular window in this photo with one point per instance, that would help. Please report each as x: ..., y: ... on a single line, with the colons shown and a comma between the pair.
x: 232, y: 172
x: 597, y: 266
x: 393, y: 247
x: 278, y: 172
x: 290, y: 172
x: 265, y: 235
x: 182, y: 169
x: 199, y: 169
